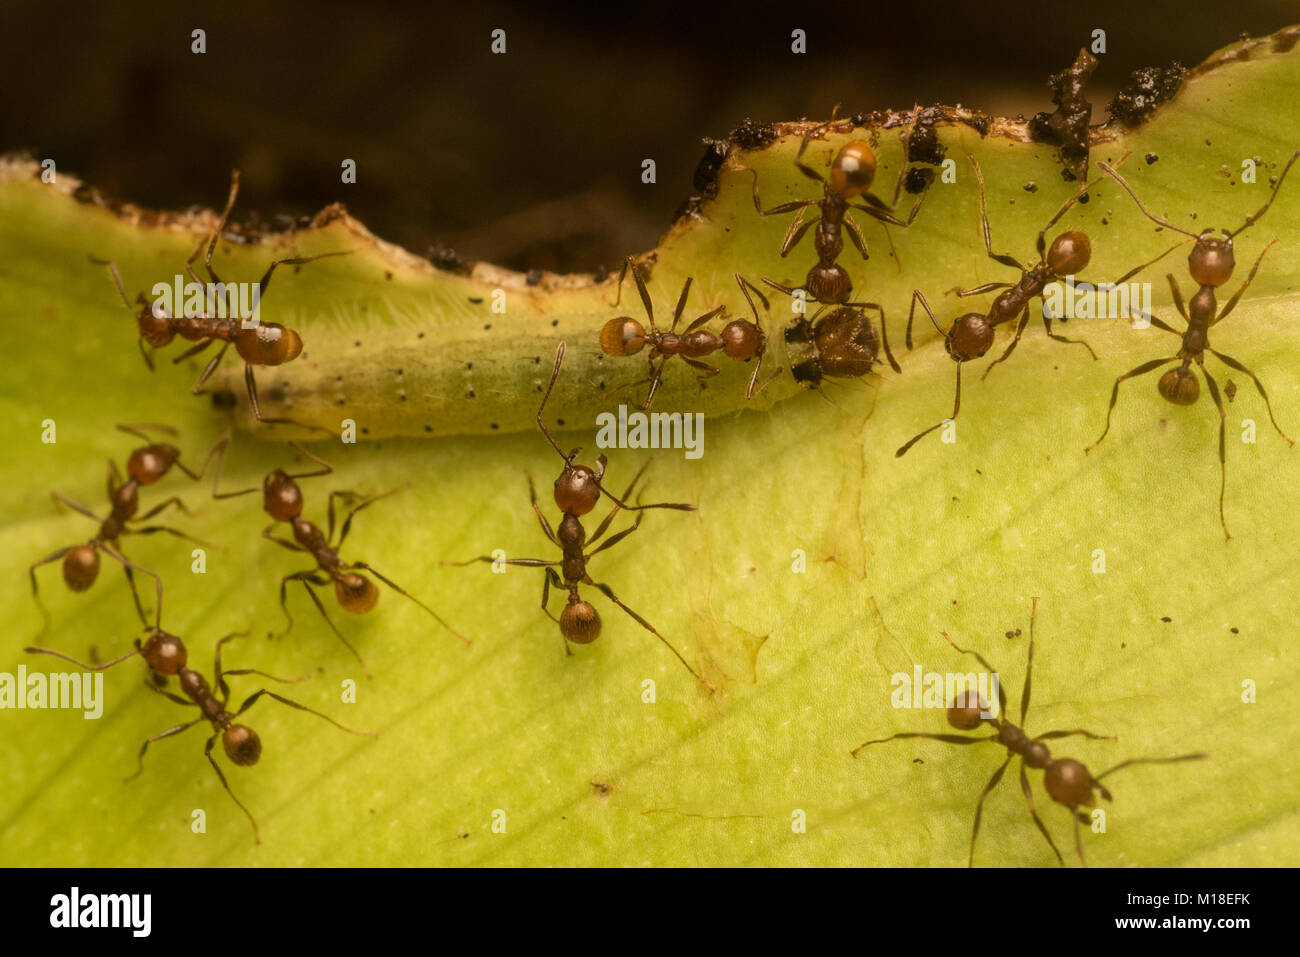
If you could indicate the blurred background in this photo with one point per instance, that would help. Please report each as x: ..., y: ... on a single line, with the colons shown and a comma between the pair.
x: 530, y: 159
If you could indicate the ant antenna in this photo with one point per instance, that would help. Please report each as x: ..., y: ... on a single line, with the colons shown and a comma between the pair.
x: 1251, y: 220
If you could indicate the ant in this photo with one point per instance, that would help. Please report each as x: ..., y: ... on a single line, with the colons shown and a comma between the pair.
x: 1211, y: 264
x: 577, y: 491
x: 1066, y: 780
x: 146, y: 465
x: 166, y: 656
x: 258, y: 343
x: 741, y: 339
x: 282, y: 499
x: 971, y: 335
x: 842, y: 344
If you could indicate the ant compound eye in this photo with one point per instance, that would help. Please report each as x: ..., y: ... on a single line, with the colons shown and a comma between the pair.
x: 623, y: 336
x: 580, y: 623
x: 965, y: 710
x: 1069, y: 254
x: 1179, y: 386
x: 576, y: 492
x: 1211, y: 261
x: 853, y: 169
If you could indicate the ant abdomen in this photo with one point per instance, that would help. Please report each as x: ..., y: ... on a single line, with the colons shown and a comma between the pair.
x: 1070, y: 253
x: 355, y: 593
x: 580, y: 623
x: 268, y: 344
x: 966, y: 710
x: 242, y: 745
x: 1179, y: 386
x: 81, y: 567
x: 829, y: 282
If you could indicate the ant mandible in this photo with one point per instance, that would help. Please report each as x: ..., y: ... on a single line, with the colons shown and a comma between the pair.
x: 166, y: 656
x: 740, y: 339
x: 1210, y: 264
x: 1067, y: 781
x: 145, y: 466
x: 971, y: 335
x: 577, y: 491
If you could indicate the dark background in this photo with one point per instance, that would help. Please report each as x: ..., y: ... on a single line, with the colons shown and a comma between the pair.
x: 531, y: 159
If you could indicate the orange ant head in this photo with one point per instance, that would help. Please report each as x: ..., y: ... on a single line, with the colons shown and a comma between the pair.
x: 853, y: 169
x: 267, y: 344
x: 970, y: 337
x: 965, y: 710
x: 623, y: 336
x: 741, y: 340
x: 81, y: 567
x: 1068, y: 782
x: 829, y: 283
x: 576, y: 491
x: 1211, y: 261
x: 155, y: 326
x: 1069, y: 253
x: 281, y: 496
x: 242, y: 745
x: 355, y: 593
x: 580, y: 622
x: 164, y: 653
x: 149, y: 464
x: 1179, y: 386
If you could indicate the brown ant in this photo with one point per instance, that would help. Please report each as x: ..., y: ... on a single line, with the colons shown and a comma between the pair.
x: 740, y: 340
x: 577, y: 491
x: 166, y: 656
x: 258, y: 343
x: 146, y: 465
x: 282, y: 499
x: 1066, y: 780
x: 971, y: 335
x: 1211, y: 264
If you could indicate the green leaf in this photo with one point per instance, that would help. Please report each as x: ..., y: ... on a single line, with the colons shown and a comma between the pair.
x: 952, y: 537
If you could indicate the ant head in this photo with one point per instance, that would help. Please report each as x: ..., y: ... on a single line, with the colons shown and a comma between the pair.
x: 1069, y: 253
x: 970, y: 337
x: 165, y: 654
x: 741, y: 340
x: 965, y: 710
x: 1179, y: 386
x: 829, y: 283
x: 622, y: 336
x: 355, y: 593
x: 1211, y: 260
x: 580, y: 622
x: 242, y: 745
x: 149, y: 464
x: 267, y: 344
x: 576, y: 490
x: 154, y: 324
x: 1068, y: 782
x: 281, y: 496
x: 853, y: 169
x: 81, y: 567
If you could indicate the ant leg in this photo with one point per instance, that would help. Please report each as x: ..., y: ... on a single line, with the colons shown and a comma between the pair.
x: 1178, y: 297
x: 282, y: 542
x: 81, y: 664
x: 209, y: 369
x: 212, y: 453
x: 1234, y: 364
x: 221, y: 223
x: 604, y: 525
x: 609, y: 593
x: 1137, y: 269
x: 130, y: 567
x: 308, y: 579
x: 616, y: 538
x: 162, y: 506
x: 917, y: 295
x: 978, y: 290
x: 1223, y: 458
x: 36, y: 597
x: 1072, y: 733
x: 875, y: 207
x: 250, y: 384
x: 325, y: 467
x: 681, y: 305
x: 158, y: 737
x: 296, y: 261
x: 956, y: 407
x: 256, y: 695
x: 1143, y: 369
x: 138, y: 429
x: 207, y: 753
x: 284, y: 588
x: 117, y: 281
x: 750, y: 390
x: 402, y: 591
x: 153, y: 529
x: 884, y: 331
x: 795, y: 234
x: 655, y: 378
x: 790, y: 207
x: 696, y: 323
x: 1033, y: 812
x: 217, y: 671
x: 527, y: 562
x: 945, y: 738
x: 1132, y: 761
x: 1029, y: 669
x: 979, y: 807
x: 1003, y: 258
x: 546, y: 526
x: 1232, y: 303
x: 1002, y: 694
x: 1020, y: 330
x: 347, y: 521
x: 1251, y: 220
x: 193, y: 351
x: 704, y: 367
x: 73, y: 504
x: 1076, y: 814
x: 1047, y: 324
x: 548, y: 579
